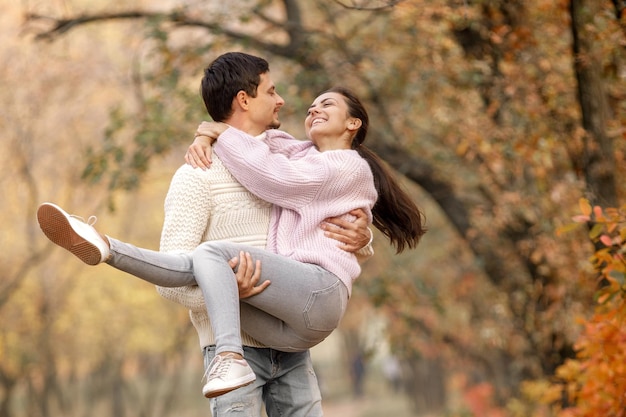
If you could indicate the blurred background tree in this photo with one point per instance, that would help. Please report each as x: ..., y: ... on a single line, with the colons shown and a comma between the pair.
x: 499, y: 114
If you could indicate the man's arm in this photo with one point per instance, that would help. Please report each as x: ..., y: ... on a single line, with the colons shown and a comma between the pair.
x: 187, y: 213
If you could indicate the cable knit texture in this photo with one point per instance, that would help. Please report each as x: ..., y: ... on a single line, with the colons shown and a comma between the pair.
x: 306, y: 186
x: 209, y: 205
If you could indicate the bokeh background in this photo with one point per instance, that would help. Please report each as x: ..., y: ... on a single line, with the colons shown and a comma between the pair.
x: 498, y: 116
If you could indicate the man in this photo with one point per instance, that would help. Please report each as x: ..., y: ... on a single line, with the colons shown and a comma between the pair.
x: 211, y: 205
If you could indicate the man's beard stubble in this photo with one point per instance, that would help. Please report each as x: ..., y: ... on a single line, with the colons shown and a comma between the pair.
x: 274, y: 125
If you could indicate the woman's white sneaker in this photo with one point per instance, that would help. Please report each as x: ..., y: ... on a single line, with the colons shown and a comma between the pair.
x: 226, y: 373
x: 73, y: 233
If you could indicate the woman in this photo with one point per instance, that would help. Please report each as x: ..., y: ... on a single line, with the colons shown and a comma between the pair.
x: 311, y: 279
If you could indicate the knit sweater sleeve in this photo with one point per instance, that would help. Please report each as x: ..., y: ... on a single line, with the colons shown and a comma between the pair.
x: 282, y: 175
x: 187, y: 213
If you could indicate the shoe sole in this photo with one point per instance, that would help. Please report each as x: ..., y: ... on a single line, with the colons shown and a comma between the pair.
x: 56, y: 226
x: 213, y: 394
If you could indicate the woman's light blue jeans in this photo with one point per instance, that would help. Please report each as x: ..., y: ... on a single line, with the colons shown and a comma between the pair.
x: 301, y: 307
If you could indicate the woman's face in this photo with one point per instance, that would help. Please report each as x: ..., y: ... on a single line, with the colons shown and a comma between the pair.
x: 328, y: 118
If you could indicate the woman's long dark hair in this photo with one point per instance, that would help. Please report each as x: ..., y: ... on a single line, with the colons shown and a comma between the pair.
x: 395, y: 213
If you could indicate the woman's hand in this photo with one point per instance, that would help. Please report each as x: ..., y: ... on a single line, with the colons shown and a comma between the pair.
x: 199, y: 152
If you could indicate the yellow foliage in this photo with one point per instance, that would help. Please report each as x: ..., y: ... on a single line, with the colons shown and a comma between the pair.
x: 585, y: 207
x: 542, y: 391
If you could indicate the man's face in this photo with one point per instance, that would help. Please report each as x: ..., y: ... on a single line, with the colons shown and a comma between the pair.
x: 265, y: 106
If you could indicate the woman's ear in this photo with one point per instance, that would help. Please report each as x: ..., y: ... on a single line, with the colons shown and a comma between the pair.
x: 354, y: 124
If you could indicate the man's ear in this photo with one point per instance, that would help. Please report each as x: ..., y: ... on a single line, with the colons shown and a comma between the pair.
x: 241, y: 100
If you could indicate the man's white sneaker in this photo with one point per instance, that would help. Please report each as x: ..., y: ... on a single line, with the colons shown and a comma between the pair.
x: 226, y: 374
x: 73, y: 233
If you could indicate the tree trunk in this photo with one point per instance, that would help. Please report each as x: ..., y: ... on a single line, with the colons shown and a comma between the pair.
x: 597, y: 162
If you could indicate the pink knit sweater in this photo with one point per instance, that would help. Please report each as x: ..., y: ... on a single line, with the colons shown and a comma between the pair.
x: 306, y: 186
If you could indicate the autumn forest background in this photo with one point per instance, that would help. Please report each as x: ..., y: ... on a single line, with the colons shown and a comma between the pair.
x: 506, y: 120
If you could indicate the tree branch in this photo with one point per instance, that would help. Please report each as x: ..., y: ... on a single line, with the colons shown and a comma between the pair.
x: 62, y: 26
x: 56, y: 27
x: 389, y: 4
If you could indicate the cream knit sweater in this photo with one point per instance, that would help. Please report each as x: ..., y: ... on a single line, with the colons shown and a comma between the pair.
x: 209, y: 205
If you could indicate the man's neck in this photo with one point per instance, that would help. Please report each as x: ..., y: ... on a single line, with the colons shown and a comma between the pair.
x: 246, y: 126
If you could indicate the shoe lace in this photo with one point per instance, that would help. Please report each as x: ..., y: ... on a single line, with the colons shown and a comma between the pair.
x: 205, y: 377
x: 90, y: 221
x: 218, y: 368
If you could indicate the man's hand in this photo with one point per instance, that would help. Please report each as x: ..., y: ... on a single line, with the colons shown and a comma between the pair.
x: 352, y: 236
x: 248, y: 274
x: 199, y: 153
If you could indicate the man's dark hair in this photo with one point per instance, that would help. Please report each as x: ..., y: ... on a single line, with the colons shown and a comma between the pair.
x: 225, y: 77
